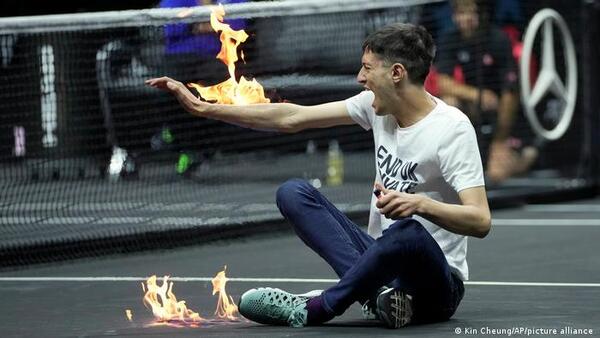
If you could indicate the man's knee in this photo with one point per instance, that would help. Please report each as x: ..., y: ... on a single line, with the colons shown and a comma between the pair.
x: 289, y: 192
x: 407, y: 229
x: 401, y: 238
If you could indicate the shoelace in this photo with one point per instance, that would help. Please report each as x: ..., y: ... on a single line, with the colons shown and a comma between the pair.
x: 282, y: 305
x: 297, y: 317
x: 368, y: 312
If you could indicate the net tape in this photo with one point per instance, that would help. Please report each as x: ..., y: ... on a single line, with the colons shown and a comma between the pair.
x: 160, y: 16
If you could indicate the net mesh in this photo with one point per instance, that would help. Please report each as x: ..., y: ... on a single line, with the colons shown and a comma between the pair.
x: 91, y: 156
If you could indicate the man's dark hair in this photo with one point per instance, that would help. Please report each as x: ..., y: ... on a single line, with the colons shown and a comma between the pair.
x: 408, y: 44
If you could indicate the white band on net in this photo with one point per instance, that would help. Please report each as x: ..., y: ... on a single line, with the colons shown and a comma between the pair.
x: 160, y: 16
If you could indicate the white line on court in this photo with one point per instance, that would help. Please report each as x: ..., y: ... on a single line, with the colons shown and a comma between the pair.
x: 545, y: 222
x: 264, y: 280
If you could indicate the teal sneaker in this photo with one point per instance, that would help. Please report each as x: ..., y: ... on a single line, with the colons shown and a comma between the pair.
x: 275, y: 307
x: 394, y: 308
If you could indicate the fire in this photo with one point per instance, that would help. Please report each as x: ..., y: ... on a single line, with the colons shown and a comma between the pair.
x: 230, y: 91
x: 226, y: 308
x: 129, y: 315
x: 165, y: 305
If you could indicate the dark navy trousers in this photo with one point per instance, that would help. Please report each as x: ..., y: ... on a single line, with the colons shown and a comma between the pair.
x: 406, y: 256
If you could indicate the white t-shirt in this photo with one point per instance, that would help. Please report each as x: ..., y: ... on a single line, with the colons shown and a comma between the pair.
x: 437, y: 157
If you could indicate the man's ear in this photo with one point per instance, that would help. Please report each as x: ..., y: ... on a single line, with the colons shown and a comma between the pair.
x: 398, y: 72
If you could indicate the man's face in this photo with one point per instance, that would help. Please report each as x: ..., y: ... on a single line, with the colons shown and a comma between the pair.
x: 466, y: 19
x: 375, y: 76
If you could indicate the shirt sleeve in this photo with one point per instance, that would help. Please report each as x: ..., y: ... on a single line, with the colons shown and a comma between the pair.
x: 459, y: 157
x: 360, y: 109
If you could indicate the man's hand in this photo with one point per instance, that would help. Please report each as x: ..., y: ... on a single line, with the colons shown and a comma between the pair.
x: 505, y: 162
x: 396, y: 205
x: 489, y: 100
x: 187, y: 100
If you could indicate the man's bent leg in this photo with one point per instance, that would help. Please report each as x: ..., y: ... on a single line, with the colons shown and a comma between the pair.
x: 408, y: 255
x: 321, y: 226
x: 328, y: 232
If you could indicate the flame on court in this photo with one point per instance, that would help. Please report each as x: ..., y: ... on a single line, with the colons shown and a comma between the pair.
x: 129, y: 315
x: 226, y: 308
x: 165, y: 306
x: 230, y: 91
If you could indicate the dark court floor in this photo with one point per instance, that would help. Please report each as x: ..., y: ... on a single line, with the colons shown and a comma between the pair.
x: 537, y: 270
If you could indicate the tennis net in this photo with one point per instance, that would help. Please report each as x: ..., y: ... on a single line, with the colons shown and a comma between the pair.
x: 95, y: 161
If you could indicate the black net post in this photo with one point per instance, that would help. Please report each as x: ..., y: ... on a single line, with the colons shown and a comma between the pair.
x: 590, y: 14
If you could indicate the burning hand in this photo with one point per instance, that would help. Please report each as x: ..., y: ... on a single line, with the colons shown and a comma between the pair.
x: 396, y: 205
x: 230, y: 91
x: 187, y: 100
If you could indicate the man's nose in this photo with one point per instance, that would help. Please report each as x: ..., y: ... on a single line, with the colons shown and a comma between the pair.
x: 361, y: 77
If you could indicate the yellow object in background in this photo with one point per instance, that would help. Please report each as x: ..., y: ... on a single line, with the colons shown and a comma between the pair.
x: 335, y: 164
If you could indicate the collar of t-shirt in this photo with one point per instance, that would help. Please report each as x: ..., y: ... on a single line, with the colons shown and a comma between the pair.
x: 423, y: 121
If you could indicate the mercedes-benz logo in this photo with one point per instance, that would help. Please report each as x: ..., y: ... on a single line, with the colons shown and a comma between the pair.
x: 548, y: 80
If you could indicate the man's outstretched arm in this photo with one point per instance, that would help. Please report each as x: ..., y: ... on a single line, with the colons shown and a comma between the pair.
x: 282, y: 117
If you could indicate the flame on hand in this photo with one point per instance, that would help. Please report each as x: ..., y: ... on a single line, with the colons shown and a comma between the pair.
x: 226, y: 308
x: 230, y: 91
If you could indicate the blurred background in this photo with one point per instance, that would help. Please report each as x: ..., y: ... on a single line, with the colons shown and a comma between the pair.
x: 92, y: 161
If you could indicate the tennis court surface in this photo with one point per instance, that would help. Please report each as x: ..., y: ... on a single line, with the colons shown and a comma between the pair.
x: 105, y: 181
x: 537, y: 270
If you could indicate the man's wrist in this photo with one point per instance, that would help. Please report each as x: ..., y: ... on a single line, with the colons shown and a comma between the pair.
x: 204, y: 109
x: 423, y: 205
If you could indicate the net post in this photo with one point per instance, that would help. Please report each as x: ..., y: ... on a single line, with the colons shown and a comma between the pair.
x: 590, y: 13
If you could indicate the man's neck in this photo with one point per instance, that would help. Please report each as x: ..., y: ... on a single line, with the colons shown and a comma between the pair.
x: 413, y: 104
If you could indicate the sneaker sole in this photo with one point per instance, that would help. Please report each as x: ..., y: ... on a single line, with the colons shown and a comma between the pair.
x: 394, y: 308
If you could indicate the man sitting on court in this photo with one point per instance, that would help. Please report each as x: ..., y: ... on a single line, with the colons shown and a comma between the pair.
x: 410, y: 266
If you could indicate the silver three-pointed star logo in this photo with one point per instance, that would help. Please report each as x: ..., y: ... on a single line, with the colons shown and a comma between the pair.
x: 548, y: 80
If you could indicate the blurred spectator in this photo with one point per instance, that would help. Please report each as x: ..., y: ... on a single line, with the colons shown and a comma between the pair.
x: 191, y: 49
x: 477, y: 72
